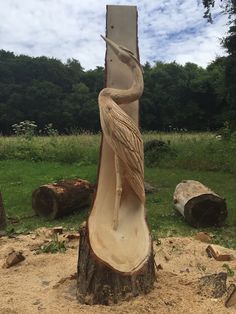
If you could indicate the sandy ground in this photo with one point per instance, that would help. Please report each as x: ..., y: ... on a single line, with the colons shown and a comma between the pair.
x: 44, y: 283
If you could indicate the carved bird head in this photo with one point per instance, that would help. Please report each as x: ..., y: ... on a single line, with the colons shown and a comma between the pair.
x: 124, y: 54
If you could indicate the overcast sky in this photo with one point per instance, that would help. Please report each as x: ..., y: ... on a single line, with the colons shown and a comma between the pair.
x: 168, y: 30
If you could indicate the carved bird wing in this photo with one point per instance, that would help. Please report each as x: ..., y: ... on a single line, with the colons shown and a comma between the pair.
x: 126, y: 141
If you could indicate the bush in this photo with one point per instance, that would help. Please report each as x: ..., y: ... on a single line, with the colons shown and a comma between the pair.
x: 25, y: 128
x: 156, y: 150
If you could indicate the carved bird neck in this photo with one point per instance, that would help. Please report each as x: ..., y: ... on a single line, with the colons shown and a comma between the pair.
x: 131, y: 94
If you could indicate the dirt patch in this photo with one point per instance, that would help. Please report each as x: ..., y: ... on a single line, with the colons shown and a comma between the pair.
x: 45, y: 283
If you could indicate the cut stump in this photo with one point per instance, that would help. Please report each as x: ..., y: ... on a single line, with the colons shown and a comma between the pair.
x: 61, y: 198
x: 200, y: 206
x: 100, y: 284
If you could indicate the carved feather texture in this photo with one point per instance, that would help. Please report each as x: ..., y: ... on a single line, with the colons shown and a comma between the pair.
x: 126, y: 141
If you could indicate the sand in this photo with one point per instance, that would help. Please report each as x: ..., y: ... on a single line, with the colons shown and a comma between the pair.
x: 46, y: 283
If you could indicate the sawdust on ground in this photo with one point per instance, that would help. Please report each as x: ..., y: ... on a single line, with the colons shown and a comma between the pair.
x: 45, y: 283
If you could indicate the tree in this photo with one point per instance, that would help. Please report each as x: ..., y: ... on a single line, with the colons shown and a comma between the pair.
x: 48, y: 91
x: 229, y: 43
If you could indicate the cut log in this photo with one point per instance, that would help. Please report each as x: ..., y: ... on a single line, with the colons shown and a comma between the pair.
x: 200, y: 206
x: 3, y: 220
x: 61, y: 198
x: 116, y: 260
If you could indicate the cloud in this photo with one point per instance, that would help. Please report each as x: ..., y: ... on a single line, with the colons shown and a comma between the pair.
x: 168, y: 30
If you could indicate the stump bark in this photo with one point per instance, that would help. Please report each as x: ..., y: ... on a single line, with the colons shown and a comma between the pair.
x: 62, y: 198
x: 200, y: 206
x: 100, y: 284
x: 3, y: 220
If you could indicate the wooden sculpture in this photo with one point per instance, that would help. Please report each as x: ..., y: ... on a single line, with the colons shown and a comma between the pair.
x: 120, y: 131
x: 115, y: 255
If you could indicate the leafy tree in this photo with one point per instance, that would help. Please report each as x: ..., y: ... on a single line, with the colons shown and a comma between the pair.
x: 45, y: 90
x: 229, y: 43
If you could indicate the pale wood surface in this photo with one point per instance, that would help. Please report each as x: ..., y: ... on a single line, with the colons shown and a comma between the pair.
x: 132, y: 239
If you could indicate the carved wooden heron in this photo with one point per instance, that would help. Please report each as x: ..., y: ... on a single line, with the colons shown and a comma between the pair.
x: 121, y: 132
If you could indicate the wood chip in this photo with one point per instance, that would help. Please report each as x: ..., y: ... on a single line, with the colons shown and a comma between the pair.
x: 231, y: 299
x: 72, y: 236
x: 62, y: 280
x: 13, y: 258
x: 57, y: 230
x: 36, y: 246
x: 203, y: 237
x: 158, y: 267
x: 211, y: 252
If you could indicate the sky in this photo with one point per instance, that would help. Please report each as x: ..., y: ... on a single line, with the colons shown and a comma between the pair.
x: 169, y: 30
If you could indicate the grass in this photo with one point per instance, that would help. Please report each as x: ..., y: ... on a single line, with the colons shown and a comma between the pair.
x: 25, y: 164
x: 19, y: 178
x: 54, y: 246
x: 68, y: 149
x: 195, y: 151
x: 164, y: 221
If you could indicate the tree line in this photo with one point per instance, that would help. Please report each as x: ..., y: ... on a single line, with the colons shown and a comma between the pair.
x: 45, y: 90
x: 176, y: 97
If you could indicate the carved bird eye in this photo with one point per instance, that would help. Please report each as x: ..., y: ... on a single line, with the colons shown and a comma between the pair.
x: 108, y: 108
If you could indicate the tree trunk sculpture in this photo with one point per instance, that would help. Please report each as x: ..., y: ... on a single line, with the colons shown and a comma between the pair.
x: 115, y: 257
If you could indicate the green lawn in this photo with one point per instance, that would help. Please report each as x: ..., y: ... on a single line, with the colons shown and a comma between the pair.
x: 19, y: 178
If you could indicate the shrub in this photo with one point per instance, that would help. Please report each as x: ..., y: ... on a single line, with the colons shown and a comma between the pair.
x: 25, y: 128
x: 156, y: 150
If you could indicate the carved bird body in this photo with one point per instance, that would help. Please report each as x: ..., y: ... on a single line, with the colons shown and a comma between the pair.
x: 121, y: 132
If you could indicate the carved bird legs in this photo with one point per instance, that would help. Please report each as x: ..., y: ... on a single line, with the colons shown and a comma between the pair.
x: 118, y: 171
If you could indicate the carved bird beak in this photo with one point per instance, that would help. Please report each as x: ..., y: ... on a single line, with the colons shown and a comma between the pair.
x: 113, y: 46
x: 119, y: 50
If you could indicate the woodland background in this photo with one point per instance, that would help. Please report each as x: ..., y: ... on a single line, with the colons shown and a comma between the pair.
x: 176, y: 97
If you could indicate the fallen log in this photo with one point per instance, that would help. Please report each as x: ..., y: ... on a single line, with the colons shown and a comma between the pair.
x: 61, y: 198
x: 3, y: 220
x: 200, y: 206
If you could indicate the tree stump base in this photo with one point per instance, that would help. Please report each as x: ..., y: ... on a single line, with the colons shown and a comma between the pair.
x: 97, y: 283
